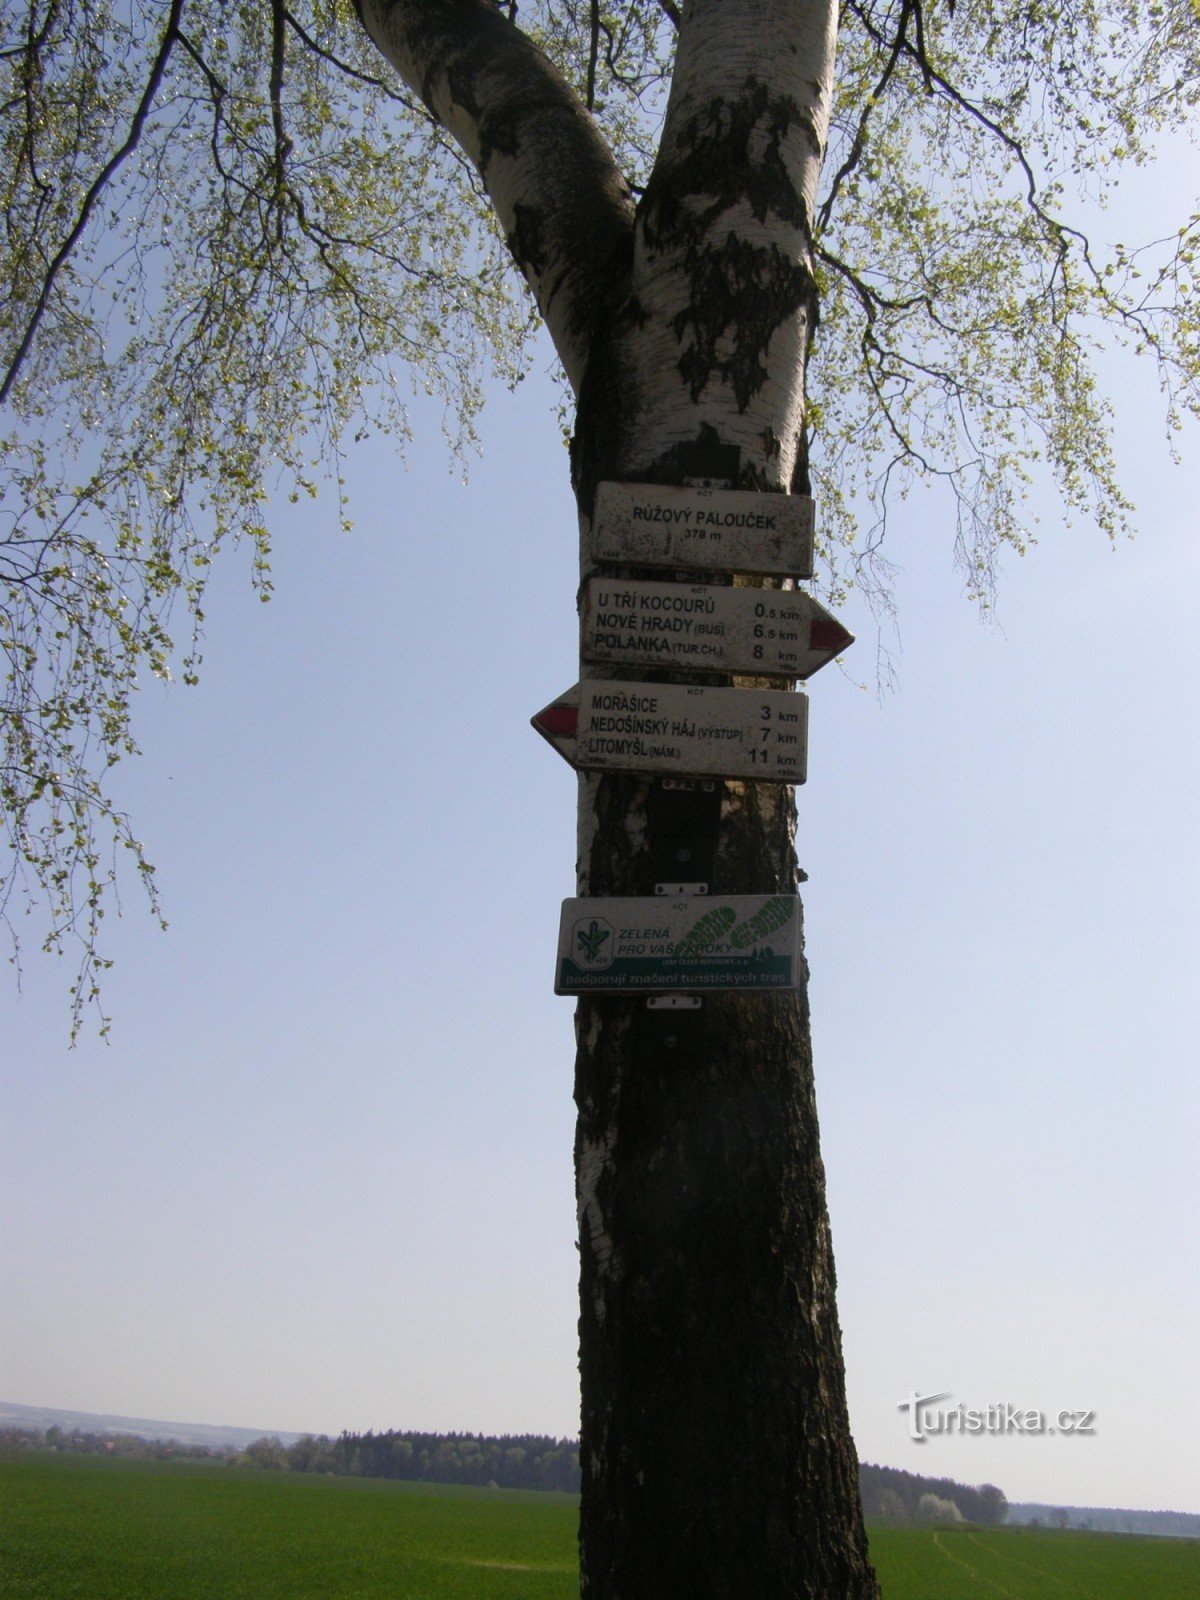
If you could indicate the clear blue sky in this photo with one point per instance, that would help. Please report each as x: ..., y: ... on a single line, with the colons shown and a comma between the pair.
x: 321, y: 1177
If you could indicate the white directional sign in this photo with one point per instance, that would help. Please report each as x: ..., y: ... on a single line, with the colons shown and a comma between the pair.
x: 611, y: 725
x: 715, y: 530
x: 783, y: 631
x: 639, y: 946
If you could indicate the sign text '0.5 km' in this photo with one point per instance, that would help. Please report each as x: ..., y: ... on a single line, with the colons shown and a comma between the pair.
x: 707, y: 629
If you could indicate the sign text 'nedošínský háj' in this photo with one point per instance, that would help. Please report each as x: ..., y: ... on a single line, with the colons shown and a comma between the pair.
x: 685, y: 729
x: 702, y: 942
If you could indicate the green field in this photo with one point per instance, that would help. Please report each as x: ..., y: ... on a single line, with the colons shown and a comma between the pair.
x: 86, y: 1528
x: 1032, y: 1564
x: 82, y: 1528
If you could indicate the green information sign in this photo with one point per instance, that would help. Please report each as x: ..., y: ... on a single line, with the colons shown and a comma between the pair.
x: 701, y: 942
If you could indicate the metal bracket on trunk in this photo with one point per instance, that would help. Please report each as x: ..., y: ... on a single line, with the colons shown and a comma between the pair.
x: 682, y: 830
x: 706, y: 463
x: 683, y: 823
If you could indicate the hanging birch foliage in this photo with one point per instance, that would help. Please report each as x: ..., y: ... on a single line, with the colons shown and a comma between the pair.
x: 234, y: 239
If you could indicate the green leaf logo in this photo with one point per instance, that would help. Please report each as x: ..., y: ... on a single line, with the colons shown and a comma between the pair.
x: 711, y: 929
x: 774, y: 914
x: 592, y: 940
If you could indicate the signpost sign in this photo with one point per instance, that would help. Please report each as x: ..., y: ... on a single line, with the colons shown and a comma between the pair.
x: 714, y: 530
x: 668, y: 948
x: 644, y: 946
x: 690, y: 626
x: 680, y: 728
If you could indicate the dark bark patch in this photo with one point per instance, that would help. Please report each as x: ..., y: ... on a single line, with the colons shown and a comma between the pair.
x: 460, y: 80
x: 502, y: 129
x: 741, y: 293
x: 459, y: 43
x: 771, y: 444
x: 732, y: 150
x: 447, y: 40
x: 732, y: 153
x: 801, y: 476
x: 705, y: 456
x: 527, y: 242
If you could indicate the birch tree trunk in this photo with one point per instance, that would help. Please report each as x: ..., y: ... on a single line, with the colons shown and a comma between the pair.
x: 717, y: 1458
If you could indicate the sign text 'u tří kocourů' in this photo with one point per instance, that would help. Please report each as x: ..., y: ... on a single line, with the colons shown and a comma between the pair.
x: 707, y: 629
x: 701, y: 942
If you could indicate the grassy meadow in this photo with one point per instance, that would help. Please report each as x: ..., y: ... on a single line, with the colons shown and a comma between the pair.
x: 1032, y: 1564
x: 88, y: 1528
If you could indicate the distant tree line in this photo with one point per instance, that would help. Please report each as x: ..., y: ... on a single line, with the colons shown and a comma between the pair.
x: 512, y: 1461
x: 78, y: 1441
x: 1108, y: 1519
x: 890, y: 1495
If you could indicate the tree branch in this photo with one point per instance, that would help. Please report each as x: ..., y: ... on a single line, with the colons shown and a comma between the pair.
x: 95, y: 190
x: 593, y: 54
x: 283, y: 143
x: 307, y: 40
x: 565, y: 209
x: 860, y: 137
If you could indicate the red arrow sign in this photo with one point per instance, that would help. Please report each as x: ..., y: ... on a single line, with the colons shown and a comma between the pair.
x: 702, y: 731
x: 558, y: 721
x: 702, y: 628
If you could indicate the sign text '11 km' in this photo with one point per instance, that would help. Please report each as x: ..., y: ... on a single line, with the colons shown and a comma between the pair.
x: 680, y: 728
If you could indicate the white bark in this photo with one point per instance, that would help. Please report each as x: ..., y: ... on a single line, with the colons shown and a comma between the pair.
x: 563, y: 205
x: 717, y: 1456
x: 785, y: 45
x: 769, y: 63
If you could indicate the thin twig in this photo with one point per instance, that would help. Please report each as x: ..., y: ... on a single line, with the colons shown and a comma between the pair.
x: 99, y: 184
x: 283, y: 144
x: 593, y: 55
x: 860, y: 137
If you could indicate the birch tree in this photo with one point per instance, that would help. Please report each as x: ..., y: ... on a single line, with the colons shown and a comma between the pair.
x: 804, y: 246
